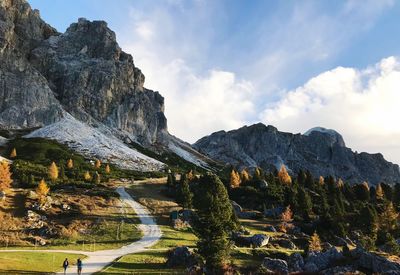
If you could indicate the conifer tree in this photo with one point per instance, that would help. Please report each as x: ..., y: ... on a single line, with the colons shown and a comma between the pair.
x: 283, y: 176
x: 53, y: 171
x: 339, y: 183
x: 170, y: 181
x: 107, y: 169
x: 235, y: 179
x: 96, y: 178
x: 70, y: 164
x: 305, y: 203
x: 368, y: 219
x: 190, y: 175
x: 187, y: 195
x: 287, y: 215
x: 361, y: 191
x: 314, y: 244
x: 13, y: 153
x: 214, y: 221
x: 388, y: 218
x: 5, y: 176
x: 396, y: 196
x: 42, y: 190
x: 258, y: 173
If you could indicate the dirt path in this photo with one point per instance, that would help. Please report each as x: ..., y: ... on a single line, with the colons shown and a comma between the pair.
x: 98, y: 260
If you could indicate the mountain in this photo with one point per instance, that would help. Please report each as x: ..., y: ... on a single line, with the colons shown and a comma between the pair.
x: 321, y: 151
x: 80, y: 88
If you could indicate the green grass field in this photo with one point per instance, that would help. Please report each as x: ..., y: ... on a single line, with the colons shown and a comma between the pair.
x: 35, y: 262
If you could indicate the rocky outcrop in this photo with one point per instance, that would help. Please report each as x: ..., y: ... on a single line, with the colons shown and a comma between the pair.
x: 275, y: 266
x: 47, y: 77
x: 321, y: 151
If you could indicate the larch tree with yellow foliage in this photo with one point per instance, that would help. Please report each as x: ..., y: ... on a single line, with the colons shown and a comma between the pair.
x: 235, y: 179
x: 53, y: 171
x: 287, y: 215
x: 284, y: 176
x: 321, y: 180
x: 5, y: 176
x: 70, y: 164
x: 97, y: 164
x: 257, y: 173
x: 379, y: 192
x: 108, y: 170
x: 87, y: 176
x: 244, y: 175
x: 314, y: 243
x: 190, y: 175
x: 13, y: 153
x: 388, y: 217
x: 42, y: 190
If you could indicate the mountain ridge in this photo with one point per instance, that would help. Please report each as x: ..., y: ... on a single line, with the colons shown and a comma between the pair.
x: 322, y: 152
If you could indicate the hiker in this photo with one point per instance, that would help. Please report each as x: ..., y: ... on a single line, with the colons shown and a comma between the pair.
x: 65, y: 265
x: 79, y: 265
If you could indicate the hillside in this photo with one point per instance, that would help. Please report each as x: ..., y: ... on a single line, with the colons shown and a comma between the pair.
x: 322, y: 152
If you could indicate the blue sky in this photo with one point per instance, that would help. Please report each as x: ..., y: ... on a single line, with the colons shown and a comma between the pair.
x: 293, y: 64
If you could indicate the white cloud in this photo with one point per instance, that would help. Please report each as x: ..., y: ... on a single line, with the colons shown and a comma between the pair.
x: 363, y: 105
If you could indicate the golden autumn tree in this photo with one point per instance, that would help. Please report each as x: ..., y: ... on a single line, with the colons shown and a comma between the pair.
x: 70, y: 164
x: 379, y: 192
x: 315, y: 243
x: 235, y: 179
x: 97, y: 164
x: 365, y: 185
x: 13, y: 153
x: 284, y: 176
x: 42, y: 190
x: 5, y: 176
x: 339, y: 183
x: 108, y: 170
x: 190, y: 175
x: 87, y: 176
x: 244, y: 175
x: 287, y: 215
x: 53, y: 171
x: 321, y: 180
x: 388, y: 217
x: 257, y: 173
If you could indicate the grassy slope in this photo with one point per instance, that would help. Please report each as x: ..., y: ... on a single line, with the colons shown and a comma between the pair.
x: 35, y: 262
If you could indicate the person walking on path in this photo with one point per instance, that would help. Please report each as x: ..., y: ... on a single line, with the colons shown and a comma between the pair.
x: 79, y: 265
x: 65, y: 265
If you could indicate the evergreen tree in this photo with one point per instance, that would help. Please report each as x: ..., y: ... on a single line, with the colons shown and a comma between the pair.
x: 187, y: 195
x: 213, y: 222
x: 5, y: 176
x: 171, y: 181
x: 305, y: 204
x: 53, y: 172
x: 361, y: 191
x: 96, y: 179
x: 301, y: 178
x: 321, y: 180
x: 368, y: 219
x: 388, y: 218
x: 396, y: 196
x: 258, y: 174
x: 309, y: 181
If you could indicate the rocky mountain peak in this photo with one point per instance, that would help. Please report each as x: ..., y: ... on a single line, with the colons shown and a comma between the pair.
x: 321, y: 151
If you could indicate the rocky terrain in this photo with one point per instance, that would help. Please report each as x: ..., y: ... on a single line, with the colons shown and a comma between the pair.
x: 46, y: 76
x: 322, y: 152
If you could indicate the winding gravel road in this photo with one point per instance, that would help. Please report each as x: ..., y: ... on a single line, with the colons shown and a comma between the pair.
x: 98, y: 260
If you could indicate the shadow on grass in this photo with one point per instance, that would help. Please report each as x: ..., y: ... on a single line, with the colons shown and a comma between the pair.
x: 19, y: 272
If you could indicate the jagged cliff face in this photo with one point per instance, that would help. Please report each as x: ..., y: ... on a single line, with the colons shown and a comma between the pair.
x: 323, y: 152
x: 84, y: 72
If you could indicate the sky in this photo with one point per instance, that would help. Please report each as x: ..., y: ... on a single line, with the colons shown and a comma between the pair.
x: 222, y: 64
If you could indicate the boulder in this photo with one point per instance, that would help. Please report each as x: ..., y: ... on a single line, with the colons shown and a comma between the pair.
x: 288, y: 244
x: 270, y: 228
x: 180, y: 256
x: 373, y: 262
x: 275, y: 266
x: 259, y: 240
x: 295, y: 262
x: 322, y: 260
x: 341, y: 270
